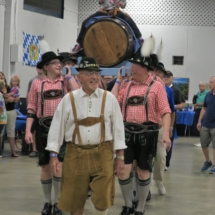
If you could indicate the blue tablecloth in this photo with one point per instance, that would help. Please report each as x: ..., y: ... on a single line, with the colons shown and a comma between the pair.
x: 185, y: 117
x: 20, y: 121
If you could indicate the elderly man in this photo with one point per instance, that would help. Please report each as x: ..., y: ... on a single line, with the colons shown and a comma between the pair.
x: 141, y: 101
x: 90, y: 121
x: 43, y: 99
x: 206, y: 126
x: 198, y: 101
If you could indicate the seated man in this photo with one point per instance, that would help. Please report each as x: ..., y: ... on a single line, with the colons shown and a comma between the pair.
x: 108, y: 7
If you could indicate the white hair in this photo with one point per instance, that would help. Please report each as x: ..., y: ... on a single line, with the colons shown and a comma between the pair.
x: 202, y: 82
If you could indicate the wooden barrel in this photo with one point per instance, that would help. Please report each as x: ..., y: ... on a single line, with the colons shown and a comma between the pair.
x: 109, y: 41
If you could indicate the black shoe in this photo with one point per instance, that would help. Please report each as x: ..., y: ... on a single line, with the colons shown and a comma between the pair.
x: 126, y: 211
x: 135, y: 203
x: 56, y: 211
x: 139, y: 213
x: 47, y: 209
x: 149, y: 196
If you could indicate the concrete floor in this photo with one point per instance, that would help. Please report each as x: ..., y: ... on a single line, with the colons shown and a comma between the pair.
x: 189, y: 192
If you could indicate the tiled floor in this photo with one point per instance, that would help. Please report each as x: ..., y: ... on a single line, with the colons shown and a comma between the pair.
x: 189, y: 192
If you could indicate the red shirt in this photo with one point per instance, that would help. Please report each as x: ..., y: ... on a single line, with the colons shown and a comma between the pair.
x: 34, y: 100
x: 157, y: 101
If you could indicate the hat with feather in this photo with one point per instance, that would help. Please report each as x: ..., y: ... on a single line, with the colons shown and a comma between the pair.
x: 68, y: 57
x: 142, y: 56
x: 47, y: 55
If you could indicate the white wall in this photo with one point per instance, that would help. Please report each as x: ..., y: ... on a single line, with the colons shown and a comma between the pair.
x: 59, y: 33
x: 194, y: 43
x: 2, y: 9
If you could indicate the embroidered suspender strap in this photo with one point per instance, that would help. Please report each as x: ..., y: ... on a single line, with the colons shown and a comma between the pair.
x: 102, y: 138
x: 146, y: 99
x: 126, y: 101
x: 76, y: 130
x: 42, y: 95
x: 42, y: 98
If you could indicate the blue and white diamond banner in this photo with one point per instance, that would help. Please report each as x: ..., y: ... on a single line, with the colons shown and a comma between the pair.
x: 31, y: 50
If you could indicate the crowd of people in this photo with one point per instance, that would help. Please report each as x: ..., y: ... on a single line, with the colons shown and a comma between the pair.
x: 9, y: 97
x: 136, y: 121
x: 87, y: 129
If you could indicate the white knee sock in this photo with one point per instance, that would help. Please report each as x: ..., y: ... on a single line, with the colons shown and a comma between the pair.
x: 96, y: 212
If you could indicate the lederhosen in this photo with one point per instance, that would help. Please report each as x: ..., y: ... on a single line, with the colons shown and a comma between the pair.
x: 87, y: 165
x: 141, y: 139
x: 44, y: 125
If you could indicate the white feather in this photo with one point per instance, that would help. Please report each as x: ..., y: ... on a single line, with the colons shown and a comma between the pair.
x: 159, y: 51
x: 153, y: 44
x: 148, y: 46
x: 44, y: 46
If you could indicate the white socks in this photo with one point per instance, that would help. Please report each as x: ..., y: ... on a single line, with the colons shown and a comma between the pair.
x: 96, y: 212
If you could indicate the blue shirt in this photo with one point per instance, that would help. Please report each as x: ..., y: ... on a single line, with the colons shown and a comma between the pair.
x: 209, y: 104
x: 170, y: 97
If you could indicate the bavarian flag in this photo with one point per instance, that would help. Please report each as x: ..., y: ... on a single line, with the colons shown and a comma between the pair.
x: 31, y: 51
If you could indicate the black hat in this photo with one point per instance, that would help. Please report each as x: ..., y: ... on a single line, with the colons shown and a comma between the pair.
x: 68, y: 57
x: 88, y: 63
x: 168, y: 73
x: 143, y: 61
x: 161, y: 67
x: 46, y: 57
x: 154, y: 59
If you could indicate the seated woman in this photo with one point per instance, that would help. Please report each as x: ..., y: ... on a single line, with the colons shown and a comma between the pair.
x: 108, y: 8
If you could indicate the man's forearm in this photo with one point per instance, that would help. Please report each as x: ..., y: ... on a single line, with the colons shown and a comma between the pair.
x: 29, y: 121
x: 166, y: 119
x: 115, y: 90
x: 73, y: 84
x: 179, y: 106
x: 202, y: 113
x: 172, y: 119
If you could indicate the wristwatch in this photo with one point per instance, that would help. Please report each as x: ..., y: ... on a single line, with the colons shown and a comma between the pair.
x: 121, y: 157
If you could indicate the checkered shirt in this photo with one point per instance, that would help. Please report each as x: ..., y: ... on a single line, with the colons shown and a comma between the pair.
x: 34, y: 101
x: 157, y: 101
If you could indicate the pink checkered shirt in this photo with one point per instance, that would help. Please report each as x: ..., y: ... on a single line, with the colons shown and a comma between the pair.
x: 157, y: 101
x: 34, y: 100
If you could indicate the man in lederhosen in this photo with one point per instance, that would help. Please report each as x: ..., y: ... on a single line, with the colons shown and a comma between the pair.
x: 43, y: 99
x: 140, y: 102
x: 89, y: 119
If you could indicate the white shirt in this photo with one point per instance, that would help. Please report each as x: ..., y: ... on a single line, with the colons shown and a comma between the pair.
x: 87, y: 106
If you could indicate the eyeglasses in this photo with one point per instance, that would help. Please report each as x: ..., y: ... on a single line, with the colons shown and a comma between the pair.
x: 55, y: 63
x: 91, y: 73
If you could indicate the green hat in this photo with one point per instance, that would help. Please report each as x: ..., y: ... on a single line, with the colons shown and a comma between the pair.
x: 46, y: 57
x: 143, y: 61
x: 161, y: 67
x: 68, y: 57
x: 168, y: 73
x: 88, y: 63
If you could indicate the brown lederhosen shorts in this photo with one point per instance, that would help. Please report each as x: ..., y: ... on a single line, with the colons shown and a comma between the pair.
x: 87, y: 166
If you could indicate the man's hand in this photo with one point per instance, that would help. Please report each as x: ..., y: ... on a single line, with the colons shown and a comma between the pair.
x: 28, y: 137
x: 69, y: 72
x: 199, y: 126
x: 55, y: 165
x: 166, y: 140
x: 119, y: 166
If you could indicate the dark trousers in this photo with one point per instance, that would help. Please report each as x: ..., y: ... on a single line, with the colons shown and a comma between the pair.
x: 120, y: 14
x: 169, y: 153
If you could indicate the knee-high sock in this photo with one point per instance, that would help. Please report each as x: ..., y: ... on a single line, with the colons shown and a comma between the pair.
x: 143, y: 190
x: 127, y: 190
x: 96, y: 212
x: 47, y: 189
x: 134, y: 179
x: 56, y: 187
